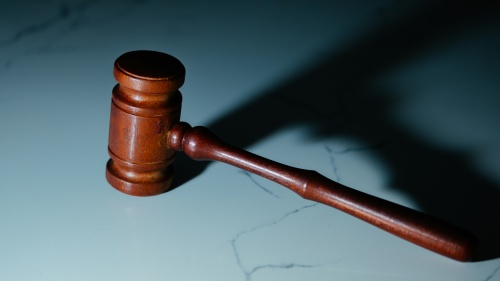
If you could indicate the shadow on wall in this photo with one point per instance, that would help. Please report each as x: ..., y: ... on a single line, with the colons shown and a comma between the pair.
x: 446, y: 185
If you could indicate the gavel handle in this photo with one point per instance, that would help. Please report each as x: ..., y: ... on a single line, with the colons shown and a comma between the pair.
x: 438, y: 236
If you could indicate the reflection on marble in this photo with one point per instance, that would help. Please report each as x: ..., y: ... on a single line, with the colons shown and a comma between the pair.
x: 399, y: 100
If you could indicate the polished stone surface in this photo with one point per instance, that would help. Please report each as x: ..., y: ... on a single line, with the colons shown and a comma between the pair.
x: 399, y: 100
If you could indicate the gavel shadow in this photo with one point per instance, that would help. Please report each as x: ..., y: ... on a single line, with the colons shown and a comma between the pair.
x: 339, y: 91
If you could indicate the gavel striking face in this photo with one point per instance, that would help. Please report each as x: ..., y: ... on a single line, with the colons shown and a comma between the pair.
x: 145, y: 132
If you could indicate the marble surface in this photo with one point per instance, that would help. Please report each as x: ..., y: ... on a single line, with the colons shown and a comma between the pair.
x: 399, y: 100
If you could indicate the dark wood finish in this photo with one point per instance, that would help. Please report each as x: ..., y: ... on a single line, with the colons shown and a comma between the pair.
x: 145, y: 105
x: 200, y: 144
x: 145, y: 132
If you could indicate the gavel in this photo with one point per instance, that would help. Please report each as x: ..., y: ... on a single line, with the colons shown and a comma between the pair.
x: 145, y: 132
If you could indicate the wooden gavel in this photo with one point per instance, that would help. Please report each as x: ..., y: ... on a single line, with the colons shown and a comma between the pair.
x: 145, y: 132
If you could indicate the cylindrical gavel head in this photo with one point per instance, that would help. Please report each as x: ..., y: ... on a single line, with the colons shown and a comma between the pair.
x: 145, y: 104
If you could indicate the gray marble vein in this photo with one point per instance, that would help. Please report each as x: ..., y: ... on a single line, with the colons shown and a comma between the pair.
x: 370, y: 147
x: 239, y: 259
x: 332, y: 153
x: 493, y: 274
x: 333, y: 163
x: 38, y: 27
x: 68, y: 18
x: 248, y: 275
x: 265, y: 189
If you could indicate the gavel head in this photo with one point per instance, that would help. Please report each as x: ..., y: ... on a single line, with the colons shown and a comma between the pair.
x: 145, y: 105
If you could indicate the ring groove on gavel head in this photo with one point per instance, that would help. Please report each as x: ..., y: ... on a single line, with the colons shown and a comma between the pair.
x: 145, y: 105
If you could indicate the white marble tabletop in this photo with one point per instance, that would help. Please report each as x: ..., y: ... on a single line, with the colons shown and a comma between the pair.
x: 399, y: 100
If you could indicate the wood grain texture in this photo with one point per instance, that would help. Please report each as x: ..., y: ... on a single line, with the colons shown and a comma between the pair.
x: 443, y: 238
x: 145, y: 104
x: 145, y: 132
